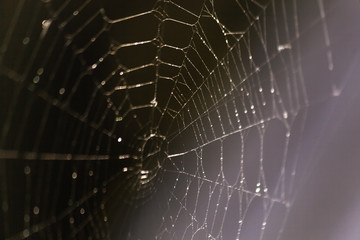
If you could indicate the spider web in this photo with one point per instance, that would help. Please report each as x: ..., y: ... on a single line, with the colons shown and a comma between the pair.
x: 158, y: 119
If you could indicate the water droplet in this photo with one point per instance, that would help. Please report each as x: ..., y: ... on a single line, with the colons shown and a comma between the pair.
x: 40, y: 71
x: 119, y: 139
x: 27, y: 170
x: 26, y: 233
x: 282, y: 47
x: 74, y: 175
x: 75, y: 13
x: 46, y: 24
x: 36, y: 210
x: 26, y: 40
x: 91, y: 173
x: 61, y: 91
x: 94, y: 66
x: 285, y: 115
x: 336, y: 91
x: 36, y: 79
x: 82, y: 211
